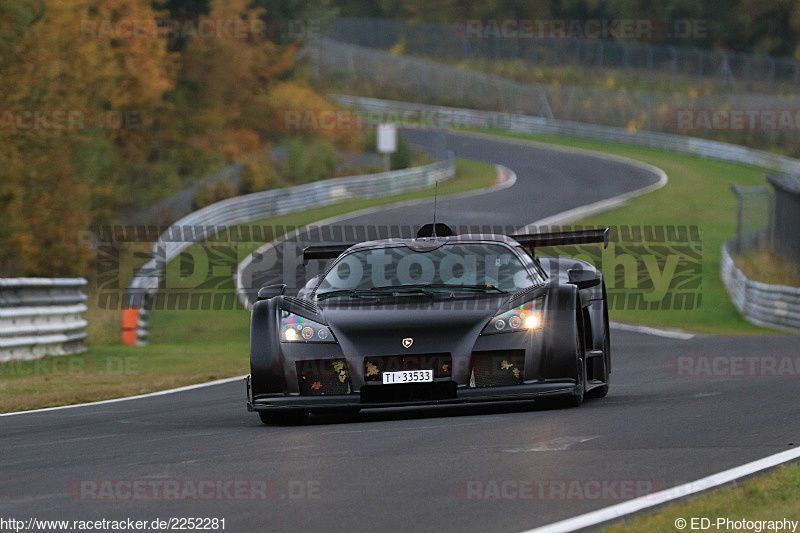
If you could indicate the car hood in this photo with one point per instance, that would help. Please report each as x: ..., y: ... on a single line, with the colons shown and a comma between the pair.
x: 435, y: 325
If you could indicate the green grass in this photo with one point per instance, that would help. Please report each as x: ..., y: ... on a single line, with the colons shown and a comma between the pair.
x: 698, y: 193
x: 772, y: 497
x: 186, y: 347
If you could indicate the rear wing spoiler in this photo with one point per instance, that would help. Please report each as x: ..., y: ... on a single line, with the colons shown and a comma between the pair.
x: 531, y: 240
x: 563, y: 238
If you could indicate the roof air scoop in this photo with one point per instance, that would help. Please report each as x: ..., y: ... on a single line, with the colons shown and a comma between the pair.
x: 442, y: 230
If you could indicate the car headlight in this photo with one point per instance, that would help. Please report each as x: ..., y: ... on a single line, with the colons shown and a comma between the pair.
x: 296, y: 328
x: 522, y: 318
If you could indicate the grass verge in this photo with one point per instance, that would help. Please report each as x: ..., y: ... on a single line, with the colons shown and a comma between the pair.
x: 774, y: 496
x: 698, y: 193
x: 186, y: 347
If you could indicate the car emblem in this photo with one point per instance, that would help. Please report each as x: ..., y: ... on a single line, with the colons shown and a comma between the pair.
x: 407, y: 342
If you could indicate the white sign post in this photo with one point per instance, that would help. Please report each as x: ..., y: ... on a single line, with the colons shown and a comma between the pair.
x: 387, y: 142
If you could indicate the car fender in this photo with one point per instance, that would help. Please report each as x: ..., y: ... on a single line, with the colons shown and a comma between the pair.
x: 560, y: 333
x: 264, y: 349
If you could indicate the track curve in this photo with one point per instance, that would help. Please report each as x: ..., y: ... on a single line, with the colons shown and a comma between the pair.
x: 402, y: 469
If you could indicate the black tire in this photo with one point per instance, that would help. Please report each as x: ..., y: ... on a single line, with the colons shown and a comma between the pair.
x: 283, y: 417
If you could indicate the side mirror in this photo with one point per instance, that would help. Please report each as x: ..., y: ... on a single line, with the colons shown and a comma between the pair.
x: 583, y: 279
x: 270, y: 291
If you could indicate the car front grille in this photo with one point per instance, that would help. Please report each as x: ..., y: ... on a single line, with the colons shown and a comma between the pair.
x: 440, y: 363
x: 497, y: 368
x: 318, y: 377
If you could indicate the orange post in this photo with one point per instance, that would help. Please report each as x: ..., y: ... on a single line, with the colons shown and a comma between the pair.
x: 130, y: 323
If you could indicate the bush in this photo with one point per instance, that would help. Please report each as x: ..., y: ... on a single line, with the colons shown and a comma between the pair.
x: 309, y: 160
x: 258, y: 174
x: 400, y: 158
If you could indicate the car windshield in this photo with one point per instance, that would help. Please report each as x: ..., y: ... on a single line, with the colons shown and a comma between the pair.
x: 457, y: 266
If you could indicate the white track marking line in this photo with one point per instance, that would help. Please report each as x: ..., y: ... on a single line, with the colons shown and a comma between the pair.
x: 659, y: 332
x: 127, y: 398
x: 616, y: 511
x: 589, y: 209
x: 651, y: 500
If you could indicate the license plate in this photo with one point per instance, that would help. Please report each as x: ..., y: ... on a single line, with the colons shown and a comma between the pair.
x: 408, y: 376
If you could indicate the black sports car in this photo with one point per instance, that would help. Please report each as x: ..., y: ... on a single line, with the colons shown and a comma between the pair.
x: 438, y: 319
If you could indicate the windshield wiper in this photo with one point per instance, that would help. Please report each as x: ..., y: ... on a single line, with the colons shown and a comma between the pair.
x: 376, y: 291
x: 443, y: 286
x: 428, y: 289
x: 352, y: 293
x: 486, y: 288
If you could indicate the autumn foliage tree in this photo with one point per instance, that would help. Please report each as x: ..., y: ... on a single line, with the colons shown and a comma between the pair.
x: 152, y: 114
x: 51, y: 70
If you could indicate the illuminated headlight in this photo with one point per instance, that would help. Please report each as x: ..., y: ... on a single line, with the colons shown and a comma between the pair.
x: 296, y: 328
x: 523, y: 318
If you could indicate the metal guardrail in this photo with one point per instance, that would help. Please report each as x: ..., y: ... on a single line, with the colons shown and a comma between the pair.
x: 771, y: 306
x: 352, y: 69
x: 548, y: 126
x: 454, y: 42
x: 427, y: 78
x: 41, y: 316
x: 766, y: 305
x: 261, y: 205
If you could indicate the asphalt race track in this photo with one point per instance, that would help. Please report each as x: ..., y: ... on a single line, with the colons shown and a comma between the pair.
x: 422, y: 469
